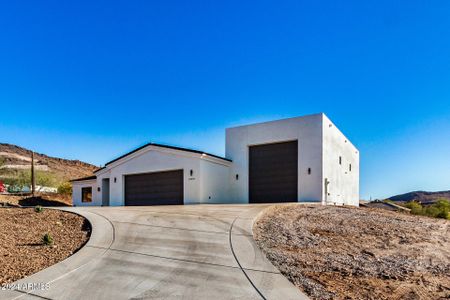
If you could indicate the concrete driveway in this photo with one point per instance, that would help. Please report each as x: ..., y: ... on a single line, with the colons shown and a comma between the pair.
x: 165, y: 252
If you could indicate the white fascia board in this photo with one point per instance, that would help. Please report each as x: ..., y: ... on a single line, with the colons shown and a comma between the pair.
x: 93, y: 181
x: 102, y: 171
x: 215, y: 160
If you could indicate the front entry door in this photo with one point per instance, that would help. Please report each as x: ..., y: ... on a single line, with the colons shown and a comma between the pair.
x: 105, y: 192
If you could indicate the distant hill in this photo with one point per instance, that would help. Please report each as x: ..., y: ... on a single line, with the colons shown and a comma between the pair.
x: 421, y: 196
x: 15, y: 161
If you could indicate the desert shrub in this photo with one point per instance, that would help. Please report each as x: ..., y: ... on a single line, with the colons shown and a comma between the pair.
x: 440, y: 209
x: 431, y: 211
x: 38, y: 209
x: 44, y: 178
x: 415, y: 207
x: 20, y: 179
x: 47, y: 239
x: 65, y: 188
x: 444, y: 208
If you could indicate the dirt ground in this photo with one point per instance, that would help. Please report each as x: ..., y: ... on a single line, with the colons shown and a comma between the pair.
x: 22, y: 252
x: 354, y: 253
x: 43, y: 199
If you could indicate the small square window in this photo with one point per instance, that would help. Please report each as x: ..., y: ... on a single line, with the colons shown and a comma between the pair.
x: 86, y: 194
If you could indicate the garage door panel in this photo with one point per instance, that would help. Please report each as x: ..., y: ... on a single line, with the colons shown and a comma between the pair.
x: 157, y: 188
x: 273, y: 172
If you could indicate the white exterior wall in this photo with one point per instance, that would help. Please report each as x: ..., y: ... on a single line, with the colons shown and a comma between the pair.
x: 343, y: 187
x: 99, y: 193
x: 76, y: 193
x: 155, y: 161
x: 320, y: 143
x: 209, y: 177
x: 214, y: 183
x: 307, y: 130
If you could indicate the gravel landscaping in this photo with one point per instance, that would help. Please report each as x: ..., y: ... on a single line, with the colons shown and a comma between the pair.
x: 22, y: 250
x: 44, y: 199
x: 350, y: 253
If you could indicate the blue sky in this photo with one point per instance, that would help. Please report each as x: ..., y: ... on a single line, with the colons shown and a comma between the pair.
x: 91, y: 80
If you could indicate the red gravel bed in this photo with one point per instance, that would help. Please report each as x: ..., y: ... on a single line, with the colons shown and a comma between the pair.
x: 22, y: 251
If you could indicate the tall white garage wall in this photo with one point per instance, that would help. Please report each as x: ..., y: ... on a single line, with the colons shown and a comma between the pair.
x: 343, y: 187
x: 146, y: 161
x: 307, y: 130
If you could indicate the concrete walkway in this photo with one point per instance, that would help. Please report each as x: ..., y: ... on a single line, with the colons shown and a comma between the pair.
x: 165, y: 252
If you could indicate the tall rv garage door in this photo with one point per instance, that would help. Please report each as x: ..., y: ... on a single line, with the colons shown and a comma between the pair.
x: 158, y: 188
x: 273, y: 172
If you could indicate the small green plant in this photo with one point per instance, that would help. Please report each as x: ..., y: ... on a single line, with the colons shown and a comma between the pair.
x: 38, y: 209
x: 415, y: 207
x: 47, y: 239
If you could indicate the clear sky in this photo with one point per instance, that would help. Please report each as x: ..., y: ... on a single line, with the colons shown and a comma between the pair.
x: 91, y: 80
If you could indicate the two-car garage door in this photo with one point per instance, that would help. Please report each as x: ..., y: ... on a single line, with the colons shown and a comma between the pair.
x: 157, y: 188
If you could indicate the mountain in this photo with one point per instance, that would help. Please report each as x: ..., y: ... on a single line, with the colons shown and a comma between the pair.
x: 15, y: 161
x: 421, y: 196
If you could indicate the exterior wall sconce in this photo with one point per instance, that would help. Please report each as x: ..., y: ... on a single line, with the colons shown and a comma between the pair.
x: 115, y: 179
x: 309, y: 171
x: 98, y: 189
x: 191, y: 172
x: 237, y: 176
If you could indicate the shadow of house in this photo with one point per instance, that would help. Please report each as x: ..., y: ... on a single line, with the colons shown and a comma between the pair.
x: 33, y: 201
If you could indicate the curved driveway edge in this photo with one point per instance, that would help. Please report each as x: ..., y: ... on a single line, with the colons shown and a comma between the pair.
x: 264, y: 277
x: 165, y: 252
x: 102, y: 236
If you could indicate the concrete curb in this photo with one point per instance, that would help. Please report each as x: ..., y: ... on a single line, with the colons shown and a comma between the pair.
x: 263, y: 276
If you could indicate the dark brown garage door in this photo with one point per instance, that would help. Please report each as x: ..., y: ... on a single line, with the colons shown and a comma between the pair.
x: 273, y: 172
x: 158, y: 188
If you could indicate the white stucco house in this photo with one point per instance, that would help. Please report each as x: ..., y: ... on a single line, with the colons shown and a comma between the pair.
x: 302, y: 159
